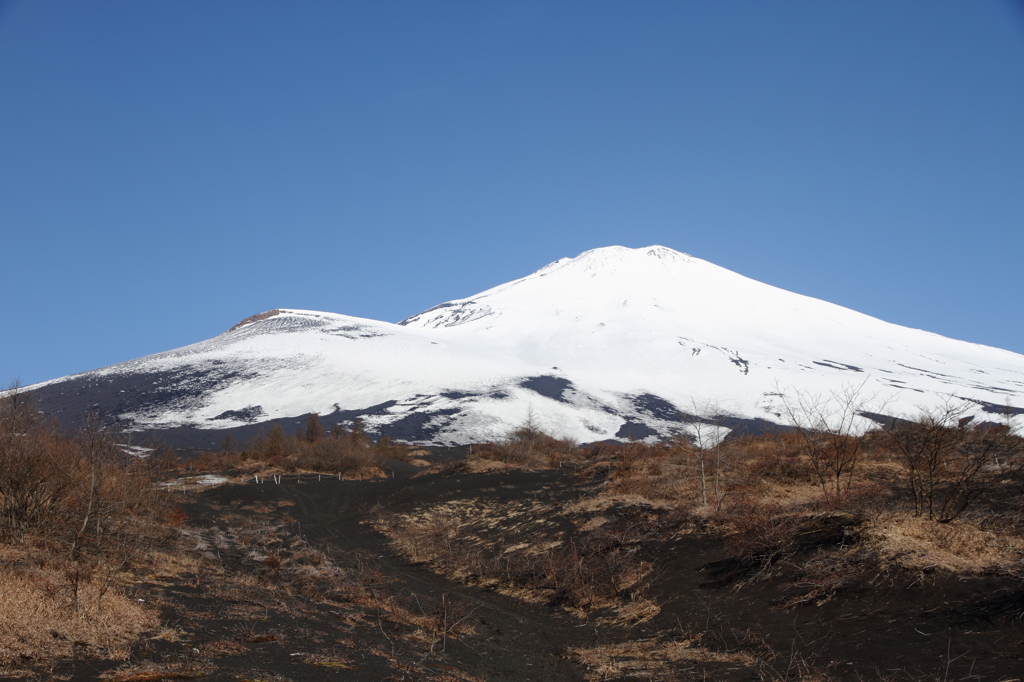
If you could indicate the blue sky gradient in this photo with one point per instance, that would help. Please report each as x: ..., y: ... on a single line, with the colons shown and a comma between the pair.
x: 169, y: 168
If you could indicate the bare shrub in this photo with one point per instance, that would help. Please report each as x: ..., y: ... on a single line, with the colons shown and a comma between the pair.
x: 34, y: 481
x: 776, y: 456
x: 340, y: 451
x: 762, y: 532
x: 702, y: 443
x: 80, y: 508
x: 946, y: 463
x: 447, y: 619
x: 826, y: 572
x: 528, y: 446
x: 828, y: 427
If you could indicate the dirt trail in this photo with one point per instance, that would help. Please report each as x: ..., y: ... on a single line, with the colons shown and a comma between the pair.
x: 514, y: 640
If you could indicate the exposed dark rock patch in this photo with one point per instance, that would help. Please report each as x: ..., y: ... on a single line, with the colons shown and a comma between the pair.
x: 659, y: 408
x: 418, y: 425
x: 548, y: 386
x: 838, y: 365
x: 744, y: 365
x: 635, y: 430
x: 996, y: 408
x: 246, y: 414
x: 113, y: 395
x: 457, y: 395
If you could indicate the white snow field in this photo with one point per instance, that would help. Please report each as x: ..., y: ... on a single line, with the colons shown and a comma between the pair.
x: 587, y: 344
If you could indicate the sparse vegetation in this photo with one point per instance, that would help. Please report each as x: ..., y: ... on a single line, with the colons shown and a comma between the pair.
x: 594, y: 572
x: 342, y: 451
x: 667, y: 556
x: 77, y: 510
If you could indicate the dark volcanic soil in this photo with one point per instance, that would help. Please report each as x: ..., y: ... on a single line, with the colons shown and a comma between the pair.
x: 514, y: 641
x: 894, y: 626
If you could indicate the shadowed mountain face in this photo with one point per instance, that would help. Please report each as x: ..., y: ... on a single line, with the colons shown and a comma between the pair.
x: 615, y: 343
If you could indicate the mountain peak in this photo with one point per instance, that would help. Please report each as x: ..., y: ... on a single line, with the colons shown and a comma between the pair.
x: 256, y: 318
x: 617, y: 256
x: 622, y: 252
x: 615, y: 342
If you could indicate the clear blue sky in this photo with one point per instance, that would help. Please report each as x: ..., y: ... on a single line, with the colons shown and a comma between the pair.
x: 169, y: 168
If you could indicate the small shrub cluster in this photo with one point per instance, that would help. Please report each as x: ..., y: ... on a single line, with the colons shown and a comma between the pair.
x: 338, y: 451
x: 528, y: 446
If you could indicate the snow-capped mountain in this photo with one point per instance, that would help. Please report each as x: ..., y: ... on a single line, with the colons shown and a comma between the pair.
x: 616, y: 342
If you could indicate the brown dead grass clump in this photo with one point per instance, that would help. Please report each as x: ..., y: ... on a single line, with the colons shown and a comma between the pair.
x: 39, y: 622
x: 531, y: 452
x: 527, y: 447
x: 762, y: 532
x: 825, y: 573
x: 915, y: 542
x: 652, y: 659
x: 515, y: 548
x: 153, y: 672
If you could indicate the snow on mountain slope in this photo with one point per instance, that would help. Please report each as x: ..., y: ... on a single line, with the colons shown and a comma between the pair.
x: 611, y: 343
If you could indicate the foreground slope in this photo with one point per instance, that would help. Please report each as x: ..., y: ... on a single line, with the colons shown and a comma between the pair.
x: 613, y: 343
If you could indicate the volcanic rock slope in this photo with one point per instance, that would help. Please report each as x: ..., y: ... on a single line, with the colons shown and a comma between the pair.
x: 614, y: 343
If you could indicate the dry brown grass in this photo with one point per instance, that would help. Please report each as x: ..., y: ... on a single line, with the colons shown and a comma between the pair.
x: 524, y: 447
x: 154, y: 672
x: 916, y: 543
x: 38, y: 621
x: 161, y: 567
x: 825, y: 573
x: 603, y: 500
x: 651, y: 660
x: 517, y: 549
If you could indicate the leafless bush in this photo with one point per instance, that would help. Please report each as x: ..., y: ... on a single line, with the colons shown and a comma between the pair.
x: 702, y: 443
x: 447, y: 619
x: 34, y: 481
x: 79, y: 508
x: 339, y: 451
x: 763, y: 532
x: 828, y: 428
x: 778, y: 457
x: 83, y: 497
x: 528, y: 446
x: 946, y: 463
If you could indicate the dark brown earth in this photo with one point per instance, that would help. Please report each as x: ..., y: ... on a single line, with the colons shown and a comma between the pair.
x: 894, y: 625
